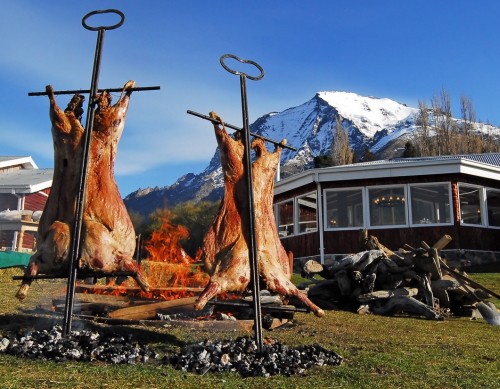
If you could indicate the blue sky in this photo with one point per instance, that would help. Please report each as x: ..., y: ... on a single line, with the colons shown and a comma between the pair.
x: 403, y: 50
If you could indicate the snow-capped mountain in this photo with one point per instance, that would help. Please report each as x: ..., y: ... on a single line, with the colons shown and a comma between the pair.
x: 380, y: 125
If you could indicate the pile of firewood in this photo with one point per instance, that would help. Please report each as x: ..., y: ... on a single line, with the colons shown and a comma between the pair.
x: 414, y: 281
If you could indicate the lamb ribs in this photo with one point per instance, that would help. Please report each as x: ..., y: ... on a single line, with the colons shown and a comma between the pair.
x: 225, y: 247
x: 108, y: 236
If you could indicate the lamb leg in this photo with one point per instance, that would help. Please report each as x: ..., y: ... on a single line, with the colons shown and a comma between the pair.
x: 31, y: 271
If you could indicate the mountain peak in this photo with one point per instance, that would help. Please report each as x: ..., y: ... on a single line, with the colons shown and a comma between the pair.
x: 380, y: 125
x: 369, y: 114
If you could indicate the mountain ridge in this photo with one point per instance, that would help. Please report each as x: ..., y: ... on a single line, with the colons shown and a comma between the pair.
x: 380, y: 125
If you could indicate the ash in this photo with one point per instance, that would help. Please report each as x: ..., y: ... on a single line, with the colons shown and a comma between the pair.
x: 82, y: 345
x: 241, y: 356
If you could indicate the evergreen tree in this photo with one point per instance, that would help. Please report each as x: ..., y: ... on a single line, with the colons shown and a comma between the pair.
x: 368, y: 156
x: 323, y: 161
x: 410, y: 151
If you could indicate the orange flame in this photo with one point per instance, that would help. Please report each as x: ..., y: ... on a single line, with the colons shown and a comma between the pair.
x: 170, y: 271
x: 164, y: 244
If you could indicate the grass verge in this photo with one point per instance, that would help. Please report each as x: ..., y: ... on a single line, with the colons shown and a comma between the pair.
x: 379, y: 352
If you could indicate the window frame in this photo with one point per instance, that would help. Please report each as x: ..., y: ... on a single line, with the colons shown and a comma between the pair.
x: 326, y: 226
x: 482, y: 205
x: 410, y: 201
x: 486, y: 189
x: 367, y: 205
x: 297, y: 221
x: 292, y: 233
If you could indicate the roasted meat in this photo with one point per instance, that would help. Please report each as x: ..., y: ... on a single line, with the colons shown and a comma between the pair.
x: 108, y: 237
x: 225, y: 247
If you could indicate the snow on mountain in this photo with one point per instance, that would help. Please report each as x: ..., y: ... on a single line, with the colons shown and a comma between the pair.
x: 368, y: 114
x: 369, y: 121
x: 380, y: 125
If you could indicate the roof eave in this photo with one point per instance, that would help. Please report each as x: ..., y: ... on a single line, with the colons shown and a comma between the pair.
x: 386, y: 170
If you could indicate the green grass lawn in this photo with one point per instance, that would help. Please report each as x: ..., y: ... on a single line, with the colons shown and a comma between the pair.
x: 379, y: 352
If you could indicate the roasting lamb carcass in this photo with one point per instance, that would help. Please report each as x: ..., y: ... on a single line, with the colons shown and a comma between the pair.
x: 225, y: 246
x: 225, y: 249
x: 58, y: 217
x: 108, y: 237
x: 273, y: 262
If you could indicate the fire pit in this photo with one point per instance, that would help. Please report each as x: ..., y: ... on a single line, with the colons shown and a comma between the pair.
x: 240, y: 355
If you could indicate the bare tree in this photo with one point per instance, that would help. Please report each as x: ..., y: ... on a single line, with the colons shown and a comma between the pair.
x: 468, y: 125
x: 441, y: 134
x: 422, y: 135
x: 342, y: 153
x: 444, y: 124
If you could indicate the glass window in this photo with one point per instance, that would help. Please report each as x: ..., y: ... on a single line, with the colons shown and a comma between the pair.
x: 306, y: 210
x: 285, y: 218
x: 493, y: 204
x: 430, y: 204
x: 470, y: 204
x: 387, y: 206
x: 344, y: 208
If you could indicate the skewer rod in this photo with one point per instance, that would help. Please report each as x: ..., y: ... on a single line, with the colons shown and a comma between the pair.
x: 200, y: 115
x: 84, y: 91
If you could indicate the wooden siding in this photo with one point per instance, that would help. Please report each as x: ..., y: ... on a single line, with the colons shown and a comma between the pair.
x: 29, y: 241
x: 347, y: 241
x: 35, y: 201
x: 302, y: 245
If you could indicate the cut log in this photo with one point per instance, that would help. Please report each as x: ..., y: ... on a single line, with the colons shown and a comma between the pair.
x: 149, y: 311
x: 489, y: 312
x: 442, y: 243
x: 214, y: 325
x: 440, y: 290
x: 310, y: 268
x: 117, y: 289
x: 406, y: 304
x: 386, y: 294
x: 460, y: 276
x: 426, y: 264
x: 371, y: 242
x: 355, y: 262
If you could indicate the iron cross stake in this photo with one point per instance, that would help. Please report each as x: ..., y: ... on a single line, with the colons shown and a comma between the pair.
x: 89, y: 124
x: 252, y: 247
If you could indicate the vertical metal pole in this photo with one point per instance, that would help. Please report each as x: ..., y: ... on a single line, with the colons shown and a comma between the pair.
x: 80, y: 201
x: 252, y: 246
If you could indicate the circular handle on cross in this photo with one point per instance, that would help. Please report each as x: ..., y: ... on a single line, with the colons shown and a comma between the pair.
x: 255, y: 78
x: 104, y: 11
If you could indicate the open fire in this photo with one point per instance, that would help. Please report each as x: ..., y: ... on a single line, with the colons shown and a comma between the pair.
x: 175, y: 281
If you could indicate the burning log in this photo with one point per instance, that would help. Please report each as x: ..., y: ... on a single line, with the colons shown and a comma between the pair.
x: 225, y: 247
x: 108, y: 237
x: 149, y: 311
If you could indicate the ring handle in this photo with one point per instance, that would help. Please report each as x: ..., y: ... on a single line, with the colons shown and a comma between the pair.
x: 255, y: 78
x: 104, y: 11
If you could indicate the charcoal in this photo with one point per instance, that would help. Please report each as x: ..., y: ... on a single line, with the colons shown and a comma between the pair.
x: 241, y: 356
x: 82, y: 345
